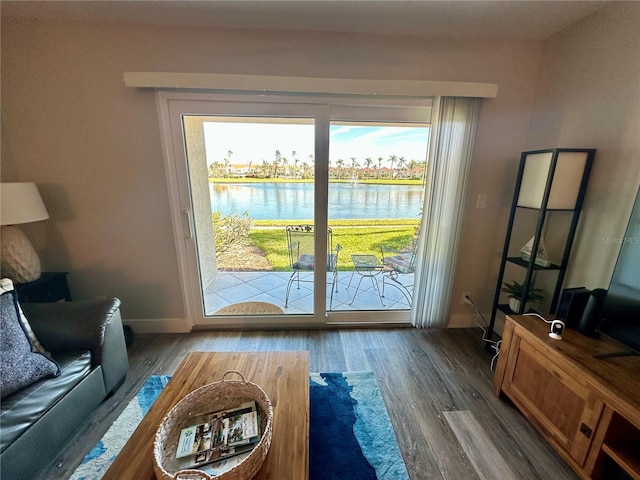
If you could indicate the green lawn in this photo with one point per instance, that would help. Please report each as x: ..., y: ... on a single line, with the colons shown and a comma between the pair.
x: 353, y: 238
x: 342, y: 223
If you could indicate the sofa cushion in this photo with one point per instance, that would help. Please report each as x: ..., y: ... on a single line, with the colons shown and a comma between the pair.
x: 21, y: 366
x: 20, y: 410
x: 307, y: 262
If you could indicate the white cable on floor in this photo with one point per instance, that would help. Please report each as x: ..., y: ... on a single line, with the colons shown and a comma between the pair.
x: 495, y: 345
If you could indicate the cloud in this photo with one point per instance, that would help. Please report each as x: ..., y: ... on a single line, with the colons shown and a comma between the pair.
x: 375, y: 142
x: 255, y: 142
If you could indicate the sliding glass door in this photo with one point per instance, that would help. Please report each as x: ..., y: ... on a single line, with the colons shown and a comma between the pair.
x: 264, y: 189
x: 376, y: 192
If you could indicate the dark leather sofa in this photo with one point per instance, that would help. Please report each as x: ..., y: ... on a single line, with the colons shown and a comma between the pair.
x: 86, y: 339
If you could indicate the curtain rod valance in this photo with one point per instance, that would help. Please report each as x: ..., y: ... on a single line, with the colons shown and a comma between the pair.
x: 336, y: 86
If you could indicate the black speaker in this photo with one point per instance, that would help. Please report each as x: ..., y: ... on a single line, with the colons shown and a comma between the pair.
x: 572, y: 304
x: 589, y: 321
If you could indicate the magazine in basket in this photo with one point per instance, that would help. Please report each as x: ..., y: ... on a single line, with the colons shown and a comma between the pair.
x: 218, y: 440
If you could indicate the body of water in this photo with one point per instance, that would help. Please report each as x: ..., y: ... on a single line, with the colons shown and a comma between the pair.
x: 294, y: 201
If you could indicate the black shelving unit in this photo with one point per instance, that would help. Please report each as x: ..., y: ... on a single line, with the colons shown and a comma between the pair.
x: 543, y: 209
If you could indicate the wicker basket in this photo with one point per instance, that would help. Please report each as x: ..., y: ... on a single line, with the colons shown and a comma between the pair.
x: 215, y: 396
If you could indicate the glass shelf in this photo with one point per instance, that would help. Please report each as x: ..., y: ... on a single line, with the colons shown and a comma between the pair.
x: 548, y: 209
x: 506, y: 309
x: 525, y: 264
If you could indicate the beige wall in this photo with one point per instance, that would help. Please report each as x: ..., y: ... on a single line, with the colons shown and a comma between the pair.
x: 589, y: 96
x: 93, y: 146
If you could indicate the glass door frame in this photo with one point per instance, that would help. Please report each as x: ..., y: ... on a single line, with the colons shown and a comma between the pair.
x: 173, y: 105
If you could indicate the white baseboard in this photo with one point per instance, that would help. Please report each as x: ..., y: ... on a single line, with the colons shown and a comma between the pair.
x: 159, y: 325
x: 182, y: 325
x: 462, y: 321
x: 467, y: 321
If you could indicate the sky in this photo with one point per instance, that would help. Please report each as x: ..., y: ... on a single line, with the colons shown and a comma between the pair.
x: 255, y: 142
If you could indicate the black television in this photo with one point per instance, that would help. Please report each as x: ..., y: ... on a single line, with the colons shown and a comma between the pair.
x: 620, y: 314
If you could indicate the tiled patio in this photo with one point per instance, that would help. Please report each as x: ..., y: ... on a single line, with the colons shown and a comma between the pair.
x: 271, y: 287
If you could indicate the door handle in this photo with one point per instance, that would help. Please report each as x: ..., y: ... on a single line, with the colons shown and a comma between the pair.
x: 586, y: 431
x: 187, y: 223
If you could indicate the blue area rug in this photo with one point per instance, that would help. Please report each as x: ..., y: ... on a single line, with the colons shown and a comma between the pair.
x: 350, y: 437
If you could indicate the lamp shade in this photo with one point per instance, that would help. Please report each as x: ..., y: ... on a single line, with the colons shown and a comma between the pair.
x: 566, y: 175
x: 21, y: 203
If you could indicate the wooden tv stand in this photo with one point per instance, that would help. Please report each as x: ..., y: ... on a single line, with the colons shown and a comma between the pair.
x: 586, y: 407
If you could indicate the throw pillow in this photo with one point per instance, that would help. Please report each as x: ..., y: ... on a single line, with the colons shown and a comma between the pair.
x: 6, y: 285
x: 20, y: 365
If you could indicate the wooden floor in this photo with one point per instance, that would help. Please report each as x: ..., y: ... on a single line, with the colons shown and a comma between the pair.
x: 436, y: 385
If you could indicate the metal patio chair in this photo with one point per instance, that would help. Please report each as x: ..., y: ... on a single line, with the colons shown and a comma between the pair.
x: 300, y: 245
x: 398, y: 264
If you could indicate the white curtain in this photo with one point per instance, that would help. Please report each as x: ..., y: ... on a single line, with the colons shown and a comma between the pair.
x: 449, y: 164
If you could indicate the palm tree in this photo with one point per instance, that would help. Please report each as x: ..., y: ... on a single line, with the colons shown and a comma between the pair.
x: 285, y: 166
x: 227, y: 162
x: 368, y: 162
x: 380, y: 160
x: 423, y: 164
x: 340, y: 163
x: 354, y: 166
x: 401, y: 164
x: 276, y: 162
x: 393, y: 159
x: 295, y: 163
x: 412, y: 166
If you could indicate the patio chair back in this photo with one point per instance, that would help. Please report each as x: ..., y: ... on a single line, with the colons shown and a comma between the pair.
x: 398, y: 265
x: 301, y: 249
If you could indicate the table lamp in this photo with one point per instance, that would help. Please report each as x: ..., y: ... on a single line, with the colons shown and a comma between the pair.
x: 20, y: 203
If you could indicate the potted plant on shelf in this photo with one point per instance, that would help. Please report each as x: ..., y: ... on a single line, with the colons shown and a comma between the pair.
x: 515, y: 291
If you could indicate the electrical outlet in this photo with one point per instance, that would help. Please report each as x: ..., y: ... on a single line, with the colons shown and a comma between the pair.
x: 464, y: 298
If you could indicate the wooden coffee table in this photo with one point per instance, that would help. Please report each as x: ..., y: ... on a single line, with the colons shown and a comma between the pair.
x: 284, y: 376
